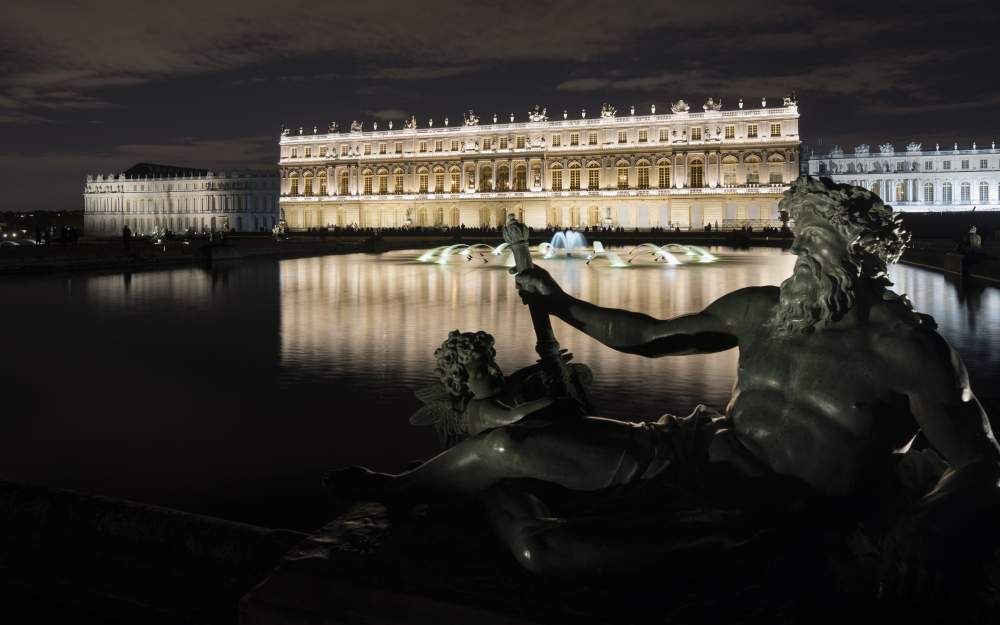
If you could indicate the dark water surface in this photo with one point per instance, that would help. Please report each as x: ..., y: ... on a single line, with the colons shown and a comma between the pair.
x: 229, y: 391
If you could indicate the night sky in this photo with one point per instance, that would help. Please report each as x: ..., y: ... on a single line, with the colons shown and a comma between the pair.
x: 88, y: 87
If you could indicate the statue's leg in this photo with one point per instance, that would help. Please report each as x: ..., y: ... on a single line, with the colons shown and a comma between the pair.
x: 585, y: 454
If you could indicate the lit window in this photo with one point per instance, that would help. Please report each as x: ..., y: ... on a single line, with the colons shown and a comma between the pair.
x: 322, y: 150
x: 752, y: 166
x: 381, y: 148
x: 696, y: 134
x: 946, y: 165
x: 367, y: 182
x: 574, y: 177
x: 623, y: 176
x: 308, y: 180
x: 928, y: 165
x: 730, y: 132
x: 622, y: 136
x: 593, y: 177
x: 503, y: 143
x: 984, y: 192
x: 399, y: 147
x: 983, y: 164
x: 696, y: 175
x: 322, y: 183
x: 397, y: 182
x: 574, y: 138
x: 775, y: 130
x: 557, y: 181
x: 487, y: 143
x: 439, y: 146
x: 729, y: 163
x: 775, y: 166
x: 439, y: 182
x: 368, y: 149
x: 556, y: 141
x: 751, y: 131
x: 520, y: 178
x: 423, y: 146
x: 344, y: 149
x: 664, y: 134
x: 663, y: 175
x: 520, y: 142
x: 900, y: 192
x: 592, y: 138
x: 309, y: 153
x: 503, y: 178
x: 946, y: 193
x: 643, y: 171
x: 454, y: 145
x: 928, y: 192
x: 383, y: 182
x: 295, y: 152
x: 965, y: 163
x: 966, y: 192
x: 293, y: 184
x: 456, y: 180
x: 344, y: 183
x: 643, y: 136
x: 422, y: 181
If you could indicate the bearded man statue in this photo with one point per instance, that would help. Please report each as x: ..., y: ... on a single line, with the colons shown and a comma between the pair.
x: 838, y: 377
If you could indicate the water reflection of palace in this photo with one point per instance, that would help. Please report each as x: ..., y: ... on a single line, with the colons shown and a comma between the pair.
x: 378, y: 320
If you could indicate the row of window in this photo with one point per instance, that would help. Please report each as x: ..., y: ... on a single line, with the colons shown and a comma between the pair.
x: 380, y: 180
x: 901, y: 166
x: 205, y: 204
x: 905, y: 194
x: 520, y: 141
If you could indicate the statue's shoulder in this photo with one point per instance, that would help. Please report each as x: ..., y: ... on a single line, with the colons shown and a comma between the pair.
x: 751, y: 301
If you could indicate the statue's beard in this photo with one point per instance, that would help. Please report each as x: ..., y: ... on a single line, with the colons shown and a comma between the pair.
x: 812, y: 298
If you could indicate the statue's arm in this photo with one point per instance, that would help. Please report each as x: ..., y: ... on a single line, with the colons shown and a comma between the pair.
x: 954, y: 422
x: 716, y: 328
x: 489, y: 414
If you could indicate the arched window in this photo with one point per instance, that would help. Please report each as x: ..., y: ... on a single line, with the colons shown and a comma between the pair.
x: 946, y: 193
x: 900, y: 192
x: 663, y: 174
x: 696, y: 174
x: 929, y: 192
x: 984, y: 191
x: 383, y: 181
x: 574, y: 176
x: 486, y: 178
x: 642, y: 174
x: 503, y: 178
x: 439, y: 179
x: 293, y: 184
x: 729, y: 163
x: 775, y: 169
x: 322, y: 183
x: 752, y: 165
x: 397, y: 180
x: 367, y: 178
x: 308, y: 180
x: 345, y: 182
x: 622, y: 178
x: 456, y: 179
x: 422, y: 179
x: 557, y: 177
x: 966, y: 191
x: 876, y: 188
x: 593, y: 176
x: 520, y: 178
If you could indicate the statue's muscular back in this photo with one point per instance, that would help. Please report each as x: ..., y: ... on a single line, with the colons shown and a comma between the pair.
x: 820, y: 406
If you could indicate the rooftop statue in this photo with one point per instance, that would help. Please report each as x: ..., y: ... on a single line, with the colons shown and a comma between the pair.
x: 411, y: 123
x: 680, y: 106
x: 356, y: 126
x: 844, y: 394
x: 712, y: 105
x: 538, y: 114
x: 608, y: 111
x: 471, y: 119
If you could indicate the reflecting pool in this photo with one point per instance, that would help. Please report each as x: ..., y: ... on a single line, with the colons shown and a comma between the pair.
x: 230, y: 390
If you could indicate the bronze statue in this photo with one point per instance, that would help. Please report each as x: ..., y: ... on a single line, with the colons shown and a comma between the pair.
x: 838, y: 377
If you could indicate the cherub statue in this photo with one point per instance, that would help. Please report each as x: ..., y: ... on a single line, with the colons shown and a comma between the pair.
x: 473, y: 395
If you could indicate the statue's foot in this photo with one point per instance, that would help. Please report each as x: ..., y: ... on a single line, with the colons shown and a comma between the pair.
x: 356, y: 483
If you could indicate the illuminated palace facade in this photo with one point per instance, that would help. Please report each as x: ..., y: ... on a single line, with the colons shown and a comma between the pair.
x: 179, y: 199
x: 679, y: 169
x: 916, y: 179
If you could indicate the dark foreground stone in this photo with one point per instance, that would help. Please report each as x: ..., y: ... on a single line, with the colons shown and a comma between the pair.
x: 373, y: 565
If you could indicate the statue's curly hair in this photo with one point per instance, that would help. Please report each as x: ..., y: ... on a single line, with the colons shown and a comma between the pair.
x: 874, y: 233
x: 457, y: 350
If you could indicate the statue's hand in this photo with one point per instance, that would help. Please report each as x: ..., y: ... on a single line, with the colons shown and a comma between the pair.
x: 916, y: 562
x: 535, y: 283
